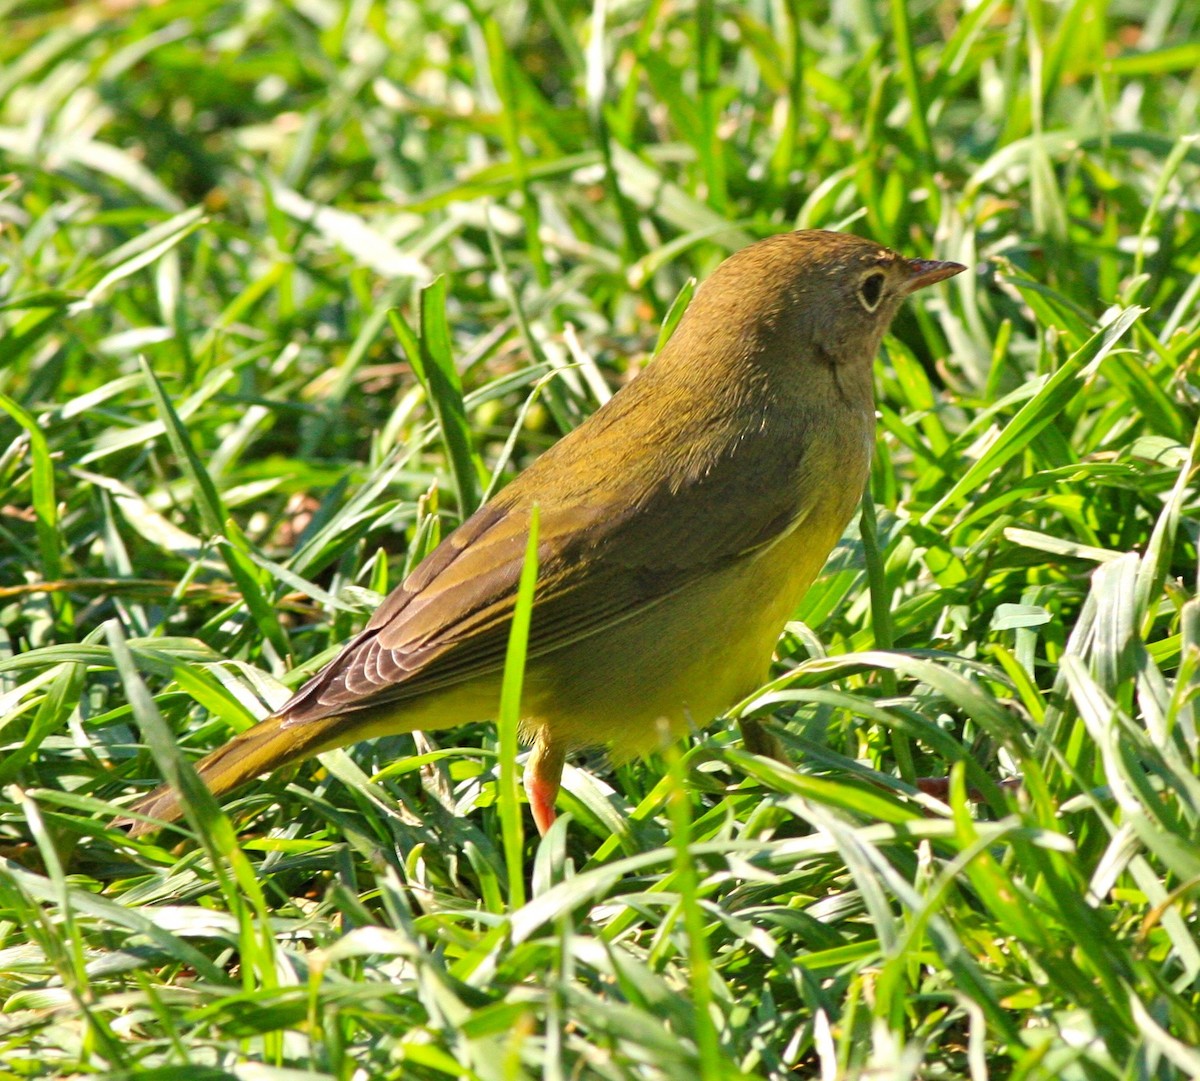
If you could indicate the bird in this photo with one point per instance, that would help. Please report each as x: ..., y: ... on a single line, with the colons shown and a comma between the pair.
x: 679, y: 527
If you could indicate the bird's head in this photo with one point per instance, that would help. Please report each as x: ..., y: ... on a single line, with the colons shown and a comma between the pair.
x: 811, y: 297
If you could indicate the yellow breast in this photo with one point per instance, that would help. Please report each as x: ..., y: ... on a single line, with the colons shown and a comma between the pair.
x: 690, y: 657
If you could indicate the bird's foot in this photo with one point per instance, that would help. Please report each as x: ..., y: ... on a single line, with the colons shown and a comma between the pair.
x: 757, y: 739
x: 543, y: 778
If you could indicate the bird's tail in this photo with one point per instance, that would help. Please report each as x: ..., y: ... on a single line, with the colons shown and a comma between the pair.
x: 268, y: 745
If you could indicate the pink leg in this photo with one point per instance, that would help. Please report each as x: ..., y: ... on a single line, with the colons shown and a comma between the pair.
x: 543, y: 776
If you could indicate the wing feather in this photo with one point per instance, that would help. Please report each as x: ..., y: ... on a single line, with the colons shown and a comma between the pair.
x: 605, y: 555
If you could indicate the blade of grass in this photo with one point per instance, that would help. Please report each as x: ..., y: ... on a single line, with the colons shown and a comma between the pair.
x: 508, y: 720
x: 428, y: 351
x: 1040, y: 410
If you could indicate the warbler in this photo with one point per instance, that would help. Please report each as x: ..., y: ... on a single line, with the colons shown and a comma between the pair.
x: 680, y: 525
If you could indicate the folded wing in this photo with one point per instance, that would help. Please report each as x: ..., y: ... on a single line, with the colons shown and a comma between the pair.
x: 606, y: 554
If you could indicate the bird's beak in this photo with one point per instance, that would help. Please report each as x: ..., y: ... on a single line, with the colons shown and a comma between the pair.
x: 923, y: 272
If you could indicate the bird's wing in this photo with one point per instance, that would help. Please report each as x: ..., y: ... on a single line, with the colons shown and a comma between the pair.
x: 602, y: 559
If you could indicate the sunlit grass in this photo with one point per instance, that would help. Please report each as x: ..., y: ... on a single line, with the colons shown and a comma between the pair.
x: 236, y: 412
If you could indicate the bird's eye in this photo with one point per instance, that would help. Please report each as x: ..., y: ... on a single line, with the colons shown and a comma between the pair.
x: 870, y: 289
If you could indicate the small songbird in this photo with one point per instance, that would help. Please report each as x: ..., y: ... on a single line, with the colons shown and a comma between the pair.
x: 679, y: 527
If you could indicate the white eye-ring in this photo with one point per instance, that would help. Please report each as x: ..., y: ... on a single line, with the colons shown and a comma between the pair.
x: 870, y: 290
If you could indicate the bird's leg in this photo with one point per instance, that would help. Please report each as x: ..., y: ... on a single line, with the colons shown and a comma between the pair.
x: 759, y: 741
x: 939, y: 787
x: 543, y: 776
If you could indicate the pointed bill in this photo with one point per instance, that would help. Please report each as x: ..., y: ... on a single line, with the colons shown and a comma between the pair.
x: 923, y: 272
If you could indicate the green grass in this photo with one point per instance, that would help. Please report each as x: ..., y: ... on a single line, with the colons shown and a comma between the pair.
x: 233, y: 414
